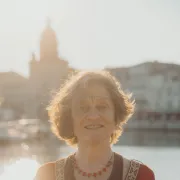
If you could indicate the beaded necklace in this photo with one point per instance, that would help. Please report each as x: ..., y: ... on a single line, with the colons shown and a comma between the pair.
x: 92, y: 174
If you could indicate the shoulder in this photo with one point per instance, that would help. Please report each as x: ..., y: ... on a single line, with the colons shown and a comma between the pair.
x: 145, y: 172
x: 46, y: 171
x: 134, y: 168
x: 50, y: 170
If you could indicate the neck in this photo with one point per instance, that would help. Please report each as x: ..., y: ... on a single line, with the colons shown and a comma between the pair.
x: 93, y: 157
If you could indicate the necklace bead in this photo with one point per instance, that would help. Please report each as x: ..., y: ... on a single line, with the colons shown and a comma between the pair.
x: 94, y: 174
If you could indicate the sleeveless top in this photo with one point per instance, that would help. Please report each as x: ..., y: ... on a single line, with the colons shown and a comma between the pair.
x: 123, y: 169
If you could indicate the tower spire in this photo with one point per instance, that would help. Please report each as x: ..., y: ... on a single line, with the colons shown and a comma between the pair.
x: 48, y: 44
x: 33, y: 56
x: 48, y: 21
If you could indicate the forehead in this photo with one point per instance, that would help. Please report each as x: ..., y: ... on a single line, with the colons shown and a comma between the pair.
x: 93, y: 91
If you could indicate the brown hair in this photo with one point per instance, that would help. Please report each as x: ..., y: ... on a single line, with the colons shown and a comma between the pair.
x: 59, y: 109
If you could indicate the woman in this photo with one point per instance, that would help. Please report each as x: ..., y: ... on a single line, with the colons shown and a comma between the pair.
x: 89, y: 112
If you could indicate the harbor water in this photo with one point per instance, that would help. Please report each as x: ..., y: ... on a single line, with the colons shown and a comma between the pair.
x: 20, y: 161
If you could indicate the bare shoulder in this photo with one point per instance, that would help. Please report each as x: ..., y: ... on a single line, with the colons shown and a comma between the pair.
x: 46, y: 172
x: 49, y: 171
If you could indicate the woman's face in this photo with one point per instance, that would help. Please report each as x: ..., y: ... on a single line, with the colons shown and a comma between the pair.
x: 93, y: 114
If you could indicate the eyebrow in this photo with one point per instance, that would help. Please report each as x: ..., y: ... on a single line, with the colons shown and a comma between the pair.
x: 95, y: 98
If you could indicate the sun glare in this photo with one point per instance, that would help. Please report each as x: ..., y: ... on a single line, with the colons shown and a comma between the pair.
x: 20, y: 170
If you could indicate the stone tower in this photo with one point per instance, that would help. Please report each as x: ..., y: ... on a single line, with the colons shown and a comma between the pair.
x: 48, y: 44
x: 47, y: 73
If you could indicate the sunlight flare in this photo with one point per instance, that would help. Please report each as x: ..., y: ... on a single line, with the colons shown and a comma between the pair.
x: 21, y: 169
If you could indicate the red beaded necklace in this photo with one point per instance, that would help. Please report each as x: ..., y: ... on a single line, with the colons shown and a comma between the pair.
x: 93, y: 174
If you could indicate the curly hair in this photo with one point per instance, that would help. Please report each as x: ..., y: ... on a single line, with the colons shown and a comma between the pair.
x: 60, y: 112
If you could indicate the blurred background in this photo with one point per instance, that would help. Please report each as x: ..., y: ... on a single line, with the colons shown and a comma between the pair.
x: 43, y: 42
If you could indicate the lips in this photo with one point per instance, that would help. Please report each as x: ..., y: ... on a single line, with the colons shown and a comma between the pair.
x: 93, y: 126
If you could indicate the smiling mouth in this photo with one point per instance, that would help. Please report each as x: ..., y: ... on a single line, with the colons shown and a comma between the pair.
x: 93, y: 126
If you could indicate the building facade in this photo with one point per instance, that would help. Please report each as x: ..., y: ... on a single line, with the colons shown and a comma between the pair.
x: 29, y: 97
x: 155, y: 87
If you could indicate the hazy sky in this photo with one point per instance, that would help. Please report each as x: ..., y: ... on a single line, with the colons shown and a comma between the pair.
x: 91, y: 33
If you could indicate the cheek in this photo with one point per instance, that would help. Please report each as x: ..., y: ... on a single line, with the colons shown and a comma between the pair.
x: 75, y: 119
x: 110, y: 116
x: 77, y: 116
x: 110, y: 113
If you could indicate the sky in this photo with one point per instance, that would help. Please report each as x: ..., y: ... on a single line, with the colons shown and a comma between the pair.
x: 92, y: 34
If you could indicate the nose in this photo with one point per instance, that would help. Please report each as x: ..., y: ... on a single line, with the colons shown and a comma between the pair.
x: 93, y: 115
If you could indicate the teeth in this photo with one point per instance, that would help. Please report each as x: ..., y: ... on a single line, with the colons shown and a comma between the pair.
x: 93, y: 126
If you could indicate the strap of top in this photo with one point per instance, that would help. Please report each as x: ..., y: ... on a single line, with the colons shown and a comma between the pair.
x: 126, y: 165
x: 59, y: 169
x: 130, y: 169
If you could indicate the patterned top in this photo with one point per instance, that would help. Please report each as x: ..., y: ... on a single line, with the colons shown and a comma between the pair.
x: 121, y: 166
x: 123, y: 169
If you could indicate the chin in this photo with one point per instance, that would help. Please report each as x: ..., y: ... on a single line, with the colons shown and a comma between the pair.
x: 94, y: 142
x: 97, y: 140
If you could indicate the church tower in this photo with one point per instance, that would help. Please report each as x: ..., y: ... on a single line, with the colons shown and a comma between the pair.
x: 48, y: 44
x: 49, y: 72
x: 49, y: 65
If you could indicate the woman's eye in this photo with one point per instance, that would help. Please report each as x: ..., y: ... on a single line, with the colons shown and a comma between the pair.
x: 101, y: 107
x: 84, y: 108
